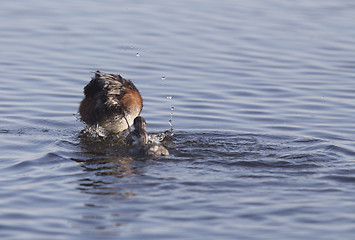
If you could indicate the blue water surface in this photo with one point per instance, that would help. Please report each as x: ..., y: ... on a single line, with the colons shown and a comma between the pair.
x: 261, y: 97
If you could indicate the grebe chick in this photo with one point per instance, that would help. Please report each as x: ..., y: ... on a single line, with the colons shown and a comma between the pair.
x: 139, y: 144
x: 111, y: 102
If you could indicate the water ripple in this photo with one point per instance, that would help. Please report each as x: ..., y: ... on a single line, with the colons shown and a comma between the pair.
x: 263, y: 97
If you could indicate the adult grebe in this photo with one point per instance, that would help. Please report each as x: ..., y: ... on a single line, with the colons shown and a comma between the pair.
x: 111, y: 102
x: 139, y: 143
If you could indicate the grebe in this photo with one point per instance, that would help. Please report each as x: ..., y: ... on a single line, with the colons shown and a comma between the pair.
x: 139, y: 143
x: 111, y: 102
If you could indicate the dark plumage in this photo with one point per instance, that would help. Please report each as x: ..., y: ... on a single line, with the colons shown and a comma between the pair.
x: 111, y: 102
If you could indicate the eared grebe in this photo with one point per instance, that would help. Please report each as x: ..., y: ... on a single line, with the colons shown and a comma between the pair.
x: 111, y: 102
x: 139, y: 143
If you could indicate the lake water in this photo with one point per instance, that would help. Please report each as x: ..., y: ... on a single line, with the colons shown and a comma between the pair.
x: 262, y: 99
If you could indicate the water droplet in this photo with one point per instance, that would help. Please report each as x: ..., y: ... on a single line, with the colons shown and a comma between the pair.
x: 171, y: 118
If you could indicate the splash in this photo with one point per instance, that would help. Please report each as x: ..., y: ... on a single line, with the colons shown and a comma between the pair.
x: 172, y: 108
x: 158, y: 137
x: 95, y: 131
x: 171, y: 120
